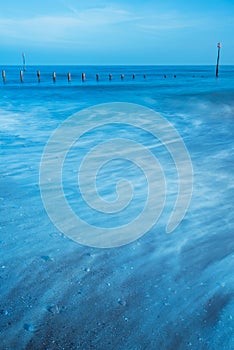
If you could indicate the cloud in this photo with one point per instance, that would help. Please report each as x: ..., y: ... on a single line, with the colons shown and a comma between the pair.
x: 104, y: 15
x: 41, y: 29
x: 73, y: 27
x: 95, y: 27
x: 164, y: 26
x: 168, y: 21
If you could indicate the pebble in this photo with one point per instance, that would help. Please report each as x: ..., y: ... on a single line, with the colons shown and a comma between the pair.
x: 122, y: 302
x: 29, y: 327
x: 167, y: 304
x: 53, y: 309
x: 46, y: 258
x: 4, y: 312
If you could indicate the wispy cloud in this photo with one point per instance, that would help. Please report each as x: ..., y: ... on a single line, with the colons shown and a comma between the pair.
x: 42, y: 29
x: 75, y: 26
x: 168, y: 21
x: 164, y: 26
x: 104, y: 15
x: 112, y: 30
x: 90, y: 27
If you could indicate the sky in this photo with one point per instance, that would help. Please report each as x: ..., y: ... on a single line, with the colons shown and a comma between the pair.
x: 106, y: 32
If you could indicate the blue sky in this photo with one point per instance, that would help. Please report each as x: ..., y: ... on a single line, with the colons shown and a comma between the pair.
x: 116, y: 32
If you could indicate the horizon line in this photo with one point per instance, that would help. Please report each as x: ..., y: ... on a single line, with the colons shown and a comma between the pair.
x: 115, y: 65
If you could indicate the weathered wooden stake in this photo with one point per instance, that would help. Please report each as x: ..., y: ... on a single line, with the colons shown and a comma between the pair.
x: 133, y: 76
x: 97, y: 77
x: 24, y: 62
x: 122, y: 76
x: 217, y: 66
x: 39, y: 76
x: 69, y: 77
x: 83, y: 77
x: 4, y: 76
x: 54, y: 77
x: 110, y: 76
x: 21, y: 76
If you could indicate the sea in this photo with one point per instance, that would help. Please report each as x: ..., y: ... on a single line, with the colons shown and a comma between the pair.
x: 144, y: 288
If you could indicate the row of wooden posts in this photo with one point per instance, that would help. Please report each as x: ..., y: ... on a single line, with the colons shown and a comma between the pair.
x: 83, y: 76
x: 69, y: 76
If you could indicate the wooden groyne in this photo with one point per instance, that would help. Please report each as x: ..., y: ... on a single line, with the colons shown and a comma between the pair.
x: 97, y: 77
x: 132, y: 76
x: 68, y: 75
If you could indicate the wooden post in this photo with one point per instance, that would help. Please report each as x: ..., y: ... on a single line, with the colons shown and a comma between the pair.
x: 39, y: 76
x: 133, y: 76
x: 122, y: 76
x: 97, y: 77
x: 110, y: 76
x: 217, y: 66
x: 144, y: 76
x: 24, y: 62
x: 4, y: 76
x: 54, y: 77
x: 21, y: 76
x: 69, y: 77
x: 83, y: 77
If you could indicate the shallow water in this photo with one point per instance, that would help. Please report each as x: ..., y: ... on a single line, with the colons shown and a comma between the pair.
x: 160, y: 292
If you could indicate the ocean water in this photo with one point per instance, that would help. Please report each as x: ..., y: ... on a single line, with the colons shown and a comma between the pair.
x: 160, y: 292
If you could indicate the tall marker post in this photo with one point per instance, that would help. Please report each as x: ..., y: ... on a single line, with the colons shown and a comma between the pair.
x: 217, y: 66
x: 24, y: 62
